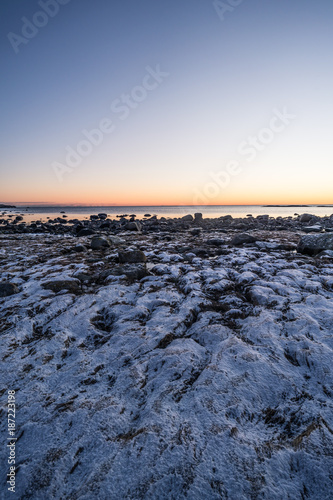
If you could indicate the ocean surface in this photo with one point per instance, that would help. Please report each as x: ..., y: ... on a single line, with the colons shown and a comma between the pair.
x: 83, y: 212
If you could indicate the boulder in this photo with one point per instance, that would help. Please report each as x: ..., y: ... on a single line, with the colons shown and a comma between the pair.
x: 116, y: 240
x: 86, y: 232
x: 216, y: 242
x: 243, y: 238
x: 312, y: 244
x: 7, y: 289
x: 131, y: 271
x: 187, y: 218
x: 133, y: 226
x: 102, y: 216
x: 131, y: 256
x: 79, y: 248
x: 97, y: 243
x: 196, y: 231
x: 306, y: 217
x: 198, y: 217
x: 73, y: 286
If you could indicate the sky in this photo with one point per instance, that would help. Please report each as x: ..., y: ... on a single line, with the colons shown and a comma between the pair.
x: 178, y: 102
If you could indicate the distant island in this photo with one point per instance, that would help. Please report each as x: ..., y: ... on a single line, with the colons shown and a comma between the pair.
x: 7, y: 206
x: 285, y: 205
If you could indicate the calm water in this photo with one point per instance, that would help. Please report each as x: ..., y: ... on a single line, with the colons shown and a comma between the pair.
x: 42, y: 212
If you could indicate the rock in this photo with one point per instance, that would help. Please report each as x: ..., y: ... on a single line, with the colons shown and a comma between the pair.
x: 198, y: 217
x: 326, y: 254
x: 73, y: 286
x: 312, y: 229
x: 132, y: 256
x: 243, y: 238
x: 147, y: 215
x: 79, y: 248
x: 97, y: 243
x: 7, y: 289
x: 83, y: 277
x: 102, y: 216
x: 196, y: 231
x: 133, y: 226
x: 86, y: 232
x: 106, y: 225
x: 93, y: 217
x: 115, y: 240
x: 306, y: 217
x: 131, y: 271
x: 216, y: 242
x: 268, y: 245
x: 18, y: 218
x: 187, y: 218
x: 313, y: 244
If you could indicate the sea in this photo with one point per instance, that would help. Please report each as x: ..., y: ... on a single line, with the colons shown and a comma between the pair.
x: 45, y: 212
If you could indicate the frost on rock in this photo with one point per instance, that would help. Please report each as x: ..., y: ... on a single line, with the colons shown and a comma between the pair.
x: 204, y: 377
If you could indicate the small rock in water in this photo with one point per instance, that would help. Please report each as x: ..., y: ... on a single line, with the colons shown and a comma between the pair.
x: 264, y: 217
x: 7, y: 289
x: 102, y: 216
x: 147, y: 215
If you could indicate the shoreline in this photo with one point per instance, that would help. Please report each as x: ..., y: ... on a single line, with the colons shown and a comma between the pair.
x: 102, y: 222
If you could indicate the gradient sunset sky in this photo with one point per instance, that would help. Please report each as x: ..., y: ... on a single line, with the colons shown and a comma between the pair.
x: 199, y: 103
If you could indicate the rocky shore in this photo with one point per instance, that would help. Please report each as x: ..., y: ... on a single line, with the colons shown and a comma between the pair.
x: 169, y: 358
x: 11, y: 223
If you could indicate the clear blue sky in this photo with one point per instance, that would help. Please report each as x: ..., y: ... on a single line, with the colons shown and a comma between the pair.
x: 224, y: 85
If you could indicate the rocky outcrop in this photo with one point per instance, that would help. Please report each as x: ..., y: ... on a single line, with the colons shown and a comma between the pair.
x: 313, y: 244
